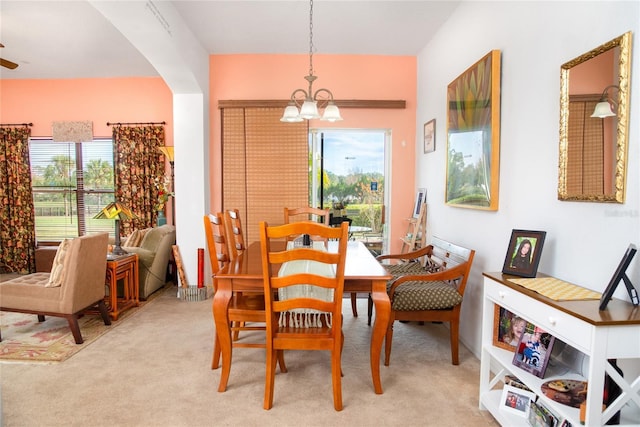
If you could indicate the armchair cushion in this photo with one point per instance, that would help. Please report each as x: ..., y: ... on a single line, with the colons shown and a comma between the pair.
x: 59, y: 266
x: 420, y: 295
x: 135, y: 239
x: 397, y: 270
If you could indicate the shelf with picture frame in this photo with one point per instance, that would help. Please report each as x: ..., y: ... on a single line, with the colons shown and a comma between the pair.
x: 416, y: 234
x: 576, y: 324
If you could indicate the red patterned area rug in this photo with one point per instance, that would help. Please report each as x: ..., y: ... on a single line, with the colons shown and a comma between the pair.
x: 24, y: 339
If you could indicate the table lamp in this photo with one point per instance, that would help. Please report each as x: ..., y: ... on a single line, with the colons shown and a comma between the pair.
x: 117, y: 211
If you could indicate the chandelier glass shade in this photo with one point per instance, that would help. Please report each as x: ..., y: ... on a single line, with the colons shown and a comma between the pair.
x: 304, y: 104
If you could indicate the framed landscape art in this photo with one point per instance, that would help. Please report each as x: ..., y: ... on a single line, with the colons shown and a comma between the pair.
x: 473, y: 135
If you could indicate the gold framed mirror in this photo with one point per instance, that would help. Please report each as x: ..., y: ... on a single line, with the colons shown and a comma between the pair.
x: 594, y: 122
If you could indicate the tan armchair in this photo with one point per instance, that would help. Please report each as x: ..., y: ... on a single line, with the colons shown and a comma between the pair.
x: 429, y: 286
x: 82, y: 277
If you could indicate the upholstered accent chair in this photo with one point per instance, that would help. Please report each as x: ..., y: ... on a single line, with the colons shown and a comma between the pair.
x: 153, y: 258
x: 428, y: 285
x: 75, y: 284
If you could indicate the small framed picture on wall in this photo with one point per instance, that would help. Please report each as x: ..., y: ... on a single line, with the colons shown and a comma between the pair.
x: 430, y: 136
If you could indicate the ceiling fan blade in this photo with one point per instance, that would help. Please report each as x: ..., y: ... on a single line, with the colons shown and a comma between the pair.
x: 8, y: 64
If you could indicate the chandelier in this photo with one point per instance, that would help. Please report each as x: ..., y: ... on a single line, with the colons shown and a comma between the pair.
x: 300, y: 109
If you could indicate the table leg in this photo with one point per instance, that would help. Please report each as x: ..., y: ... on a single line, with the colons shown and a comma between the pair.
x: 136, y: 283
x: 221, y: 300
x: 383, y: 311
x: 113, y: 294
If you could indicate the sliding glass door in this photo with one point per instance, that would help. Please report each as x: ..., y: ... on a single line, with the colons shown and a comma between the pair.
x: 348, y: 177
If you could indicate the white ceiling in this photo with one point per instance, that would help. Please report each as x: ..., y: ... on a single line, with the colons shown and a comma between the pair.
x: 71, y: 39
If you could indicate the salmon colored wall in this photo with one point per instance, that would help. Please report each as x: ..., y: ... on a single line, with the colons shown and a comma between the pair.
x: 237, y: 77
x: 42, y: 102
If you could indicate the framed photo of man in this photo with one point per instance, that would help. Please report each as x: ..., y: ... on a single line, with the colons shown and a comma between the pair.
x: 523, y: 254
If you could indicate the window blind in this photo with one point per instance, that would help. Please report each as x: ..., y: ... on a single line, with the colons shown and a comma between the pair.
x: 265, y: 165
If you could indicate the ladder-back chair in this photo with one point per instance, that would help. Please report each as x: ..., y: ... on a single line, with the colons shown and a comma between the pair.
x: 308, y: 213
x: 309, y: 282
x: 242, y: 308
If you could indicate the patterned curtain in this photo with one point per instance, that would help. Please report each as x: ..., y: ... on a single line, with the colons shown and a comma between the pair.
x: 17, y: 216
x: 139, y: 167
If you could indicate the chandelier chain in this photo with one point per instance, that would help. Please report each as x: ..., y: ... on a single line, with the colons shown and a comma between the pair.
x: 311, y: 38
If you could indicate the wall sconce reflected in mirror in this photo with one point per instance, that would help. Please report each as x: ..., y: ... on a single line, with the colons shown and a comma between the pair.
x: 604, y: 107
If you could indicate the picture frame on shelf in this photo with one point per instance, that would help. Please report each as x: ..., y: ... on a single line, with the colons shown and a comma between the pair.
x: 620, y: 275
x: 507, y: 328
x: 523, y: 254
x: 534, y: 350
x: 516, y: 401
x: 430, y: 136
x: 421, y: 197
x: 540, y: 416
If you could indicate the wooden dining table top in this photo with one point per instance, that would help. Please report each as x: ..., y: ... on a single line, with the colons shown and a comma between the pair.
x: 359, y: 265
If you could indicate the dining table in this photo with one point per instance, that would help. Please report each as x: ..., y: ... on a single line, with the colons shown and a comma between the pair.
x: 363, y: 273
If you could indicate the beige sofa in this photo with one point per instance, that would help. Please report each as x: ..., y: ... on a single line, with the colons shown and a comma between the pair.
x: 153, y: 258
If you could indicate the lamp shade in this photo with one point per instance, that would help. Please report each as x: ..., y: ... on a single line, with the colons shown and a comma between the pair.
x: 115, y: 210
x: 168, y: 152
x: 602, y: 110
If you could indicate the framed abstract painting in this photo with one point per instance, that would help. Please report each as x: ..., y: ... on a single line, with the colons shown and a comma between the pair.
x: 473, y: 136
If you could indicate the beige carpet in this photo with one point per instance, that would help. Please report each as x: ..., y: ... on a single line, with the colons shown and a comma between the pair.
x: 153, y: 369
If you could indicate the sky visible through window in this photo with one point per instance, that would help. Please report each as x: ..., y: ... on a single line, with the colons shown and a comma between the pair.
x: 347, y: 152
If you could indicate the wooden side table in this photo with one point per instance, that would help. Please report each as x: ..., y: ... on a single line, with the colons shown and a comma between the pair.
x: 123, y: 267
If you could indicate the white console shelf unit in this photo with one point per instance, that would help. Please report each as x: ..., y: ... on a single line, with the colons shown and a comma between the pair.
x: 610, y: 334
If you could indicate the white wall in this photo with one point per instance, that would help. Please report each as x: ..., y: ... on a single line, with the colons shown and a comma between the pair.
x: 585, y: 241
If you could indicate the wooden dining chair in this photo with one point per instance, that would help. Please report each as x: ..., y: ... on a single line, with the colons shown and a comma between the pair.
x: 308, y: 213
x: 242, y: 309
x: 308, y: 312
x: 234, y: 231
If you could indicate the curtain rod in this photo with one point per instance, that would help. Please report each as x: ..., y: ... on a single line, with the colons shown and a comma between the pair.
x: 127, y: 124
x: 16, y: 124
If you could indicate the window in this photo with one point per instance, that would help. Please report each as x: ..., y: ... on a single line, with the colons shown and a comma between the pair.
x: 71, y: 182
